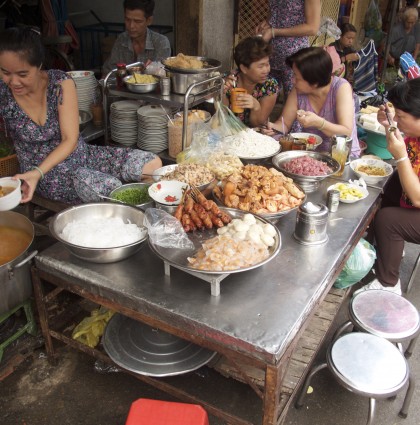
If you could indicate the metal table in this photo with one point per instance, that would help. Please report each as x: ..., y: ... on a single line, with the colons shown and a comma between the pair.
x: 257, y: 321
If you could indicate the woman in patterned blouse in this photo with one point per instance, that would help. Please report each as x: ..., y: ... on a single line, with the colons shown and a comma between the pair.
x: 252, y: 56
x: 398, y: 220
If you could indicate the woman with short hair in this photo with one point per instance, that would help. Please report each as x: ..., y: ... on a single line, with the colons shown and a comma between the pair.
x: 252, y: 57
x: 322, y: 104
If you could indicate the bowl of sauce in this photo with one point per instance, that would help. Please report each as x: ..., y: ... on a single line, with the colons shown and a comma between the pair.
x: 10, y: 194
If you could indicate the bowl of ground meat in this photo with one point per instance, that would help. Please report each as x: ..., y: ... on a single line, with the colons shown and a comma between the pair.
x: 307, y: 168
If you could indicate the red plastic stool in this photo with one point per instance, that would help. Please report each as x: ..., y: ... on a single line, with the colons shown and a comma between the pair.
x: 155, y: 412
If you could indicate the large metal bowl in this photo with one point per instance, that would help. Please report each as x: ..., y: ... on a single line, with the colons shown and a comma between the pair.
x: 308, y: 183
x: 128, y: 186
x: 97, y: 210
x: 258, y: 160
x: 182, y: 78
x: 140, y: 87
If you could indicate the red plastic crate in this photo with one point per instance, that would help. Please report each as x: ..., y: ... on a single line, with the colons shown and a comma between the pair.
x: 155, y: 412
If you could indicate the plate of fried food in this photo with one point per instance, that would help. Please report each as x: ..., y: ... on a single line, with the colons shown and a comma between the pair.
x: 259, y: 190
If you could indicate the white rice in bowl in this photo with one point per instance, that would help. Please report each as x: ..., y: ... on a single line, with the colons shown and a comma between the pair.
x: 100, y: 232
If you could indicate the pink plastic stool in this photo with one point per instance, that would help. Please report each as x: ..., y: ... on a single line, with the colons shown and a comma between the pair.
x: 155, y: 412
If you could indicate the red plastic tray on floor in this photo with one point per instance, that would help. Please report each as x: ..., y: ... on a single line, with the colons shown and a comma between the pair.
x: 155, y: 412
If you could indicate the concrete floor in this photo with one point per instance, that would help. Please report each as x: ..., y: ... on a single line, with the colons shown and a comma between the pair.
x: 80, y: 392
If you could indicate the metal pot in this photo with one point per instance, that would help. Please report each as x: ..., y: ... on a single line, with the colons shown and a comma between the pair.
x: 182, y: 78
x: 311, y: 226
x: 15, y: 277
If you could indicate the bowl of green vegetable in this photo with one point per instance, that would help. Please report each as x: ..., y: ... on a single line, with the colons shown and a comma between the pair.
x: 135, y: 194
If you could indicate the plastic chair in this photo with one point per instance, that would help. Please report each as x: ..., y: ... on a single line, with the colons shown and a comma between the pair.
x: 367, y: 365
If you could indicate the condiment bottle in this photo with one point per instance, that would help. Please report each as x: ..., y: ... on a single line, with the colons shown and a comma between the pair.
x: 121, y: 73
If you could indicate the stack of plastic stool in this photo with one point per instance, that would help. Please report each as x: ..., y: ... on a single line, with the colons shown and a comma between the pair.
x: 155, y: 412
x: 367, y: 365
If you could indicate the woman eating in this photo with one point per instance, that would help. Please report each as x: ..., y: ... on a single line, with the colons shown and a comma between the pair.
x: 321, y: 103
x: 41, y: 116
x: 398, y: 220
x: 252, y: 58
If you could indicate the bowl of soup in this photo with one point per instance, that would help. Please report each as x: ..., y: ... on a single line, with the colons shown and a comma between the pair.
x: 10, y: 194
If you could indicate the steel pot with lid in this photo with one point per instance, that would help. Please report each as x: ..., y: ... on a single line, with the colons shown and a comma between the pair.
x: 15, y: 277
x: 182, y: 78
x: 311, y: 224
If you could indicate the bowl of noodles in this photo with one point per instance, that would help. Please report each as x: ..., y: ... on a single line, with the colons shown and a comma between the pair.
x: 141, y: 83
x: 371, y: 170
x: 101, y: 232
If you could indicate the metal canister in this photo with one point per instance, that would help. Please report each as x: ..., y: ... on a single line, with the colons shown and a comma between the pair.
x: 311, y: 224
x: 165, y: 86
x: 333, y: 199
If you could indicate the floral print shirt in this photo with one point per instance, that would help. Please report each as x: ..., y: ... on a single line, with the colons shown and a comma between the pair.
x: 413, y: 152
x: 268, y: 88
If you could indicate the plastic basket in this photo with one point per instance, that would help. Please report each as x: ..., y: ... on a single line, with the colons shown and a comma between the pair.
x: 9, y: 166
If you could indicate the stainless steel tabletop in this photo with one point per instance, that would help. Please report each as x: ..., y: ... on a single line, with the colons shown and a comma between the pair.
x: 258, y: 313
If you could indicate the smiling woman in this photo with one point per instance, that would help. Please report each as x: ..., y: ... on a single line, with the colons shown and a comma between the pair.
x: 252, y: 56
x: 40, y: 111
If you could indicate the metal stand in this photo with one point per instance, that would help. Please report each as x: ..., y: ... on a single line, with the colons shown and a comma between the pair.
x: 213, y: 279
x: 173, y: 100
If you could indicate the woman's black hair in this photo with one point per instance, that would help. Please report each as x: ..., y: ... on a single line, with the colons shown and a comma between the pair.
x: 346, y: 27
x: 406, y: 97
x: 314, y: 63
x: 26, y: 42
x: 251, y: 49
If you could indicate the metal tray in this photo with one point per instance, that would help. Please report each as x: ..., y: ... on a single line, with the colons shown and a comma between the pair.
x: 179, y: 257
x: 142, y: 349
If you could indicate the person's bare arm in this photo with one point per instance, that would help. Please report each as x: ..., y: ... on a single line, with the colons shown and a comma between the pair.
x: 288, y: 114
x: 261, y: 112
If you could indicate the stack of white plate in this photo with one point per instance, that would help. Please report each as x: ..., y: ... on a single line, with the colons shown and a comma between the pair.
x: 153, y: 128
x: 123, y: 119
x: 86, y: 85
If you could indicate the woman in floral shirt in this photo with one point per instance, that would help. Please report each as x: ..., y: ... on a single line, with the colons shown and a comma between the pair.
x: 41, y: 115
x: 252, y: 56
x: 398, y: 220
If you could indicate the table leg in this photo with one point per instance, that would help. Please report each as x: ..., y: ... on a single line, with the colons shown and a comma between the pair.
x: 43, y: 315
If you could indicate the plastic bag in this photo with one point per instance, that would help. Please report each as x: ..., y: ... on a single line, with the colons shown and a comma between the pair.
x: 224, y: 122
x: 373, y: 22
x: 165, y: 230
x: 358, y: 265
x: 409, y: 66
x: 91, y: 328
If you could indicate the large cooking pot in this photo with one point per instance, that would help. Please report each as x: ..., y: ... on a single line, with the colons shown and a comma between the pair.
x: 15, y: 277
x: 182, y: 78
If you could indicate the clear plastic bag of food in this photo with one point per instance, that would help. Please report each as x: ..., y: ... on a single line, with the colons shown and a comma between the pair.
x: 165, y: 230
x: 224, y: 122
x: 204, y: 143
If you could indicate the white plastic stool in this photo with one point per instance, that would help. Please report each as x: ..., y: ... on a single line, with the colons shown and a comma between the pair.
x: 367, y: 365
x: 384, y: 314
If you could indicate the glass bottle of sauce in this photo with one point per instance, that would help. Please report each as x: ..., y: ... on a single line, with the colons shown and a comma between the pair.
x: 121, y: 73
